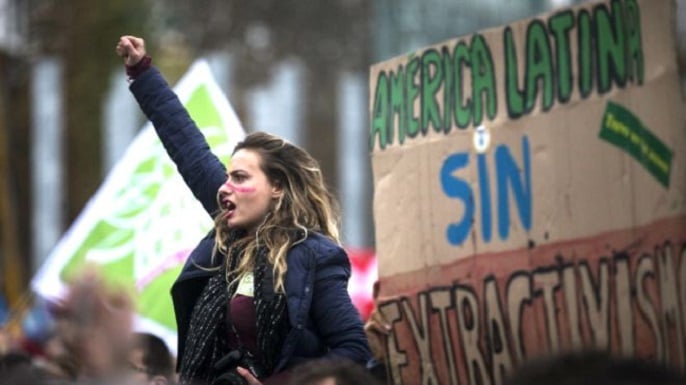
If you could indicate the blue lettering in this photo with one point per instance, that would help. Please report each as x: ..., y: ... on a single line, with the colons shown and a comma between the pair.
x: 485, y: 188
x: 508, y: 171
x: 509, y: 177
x: 455, y: 187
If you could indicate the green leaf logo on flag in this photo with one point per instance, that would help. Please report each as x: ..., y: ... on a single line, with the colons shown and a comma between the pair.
x: 143, y: 221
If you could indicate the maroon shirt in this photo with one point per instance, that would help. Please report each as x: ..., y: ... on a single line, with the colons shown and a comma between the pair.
x: 245, y: 322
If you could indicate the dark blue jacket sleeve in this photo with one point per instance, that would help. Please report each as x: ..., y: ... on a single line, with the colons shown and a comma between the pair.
x: 337, y: 320
x: 202, y: 171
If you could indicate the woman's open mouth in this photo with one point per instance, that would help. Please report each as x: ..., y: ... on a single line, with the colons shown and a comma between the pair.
x: 229, y: 206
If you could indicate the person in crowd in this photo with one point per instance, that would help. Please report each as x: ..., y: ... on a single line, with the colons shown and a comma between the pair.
x: 378, y: 331
x: 16, y: 368
x: 332, y: 372
x: 267, y: 288
x: 593, y: 368
x: 94, y: 323
x: 57, y: 361
x: 151, y: 359
x: 6, y: 340
x: 11, y: 360
x: 94, y: 329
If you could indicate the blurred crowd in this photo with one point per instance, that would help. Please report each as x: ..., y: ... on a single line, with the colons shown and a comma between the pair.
x: 91, y: 341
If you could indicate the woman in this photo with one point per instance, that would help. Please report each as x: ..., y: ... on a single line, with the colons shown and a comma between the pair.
x: 274, y: 257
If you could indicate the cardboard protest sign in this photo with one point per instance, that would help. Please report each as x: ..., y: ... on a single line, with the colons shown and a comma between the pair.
x: 530, y: 194
x: 143, y: 221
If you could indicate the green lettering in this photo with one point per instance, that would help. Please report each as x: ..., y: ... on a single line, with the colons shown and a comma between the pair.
x: 513, y: 95
x: 463, y: 111
x: 560, y: 24
x: 432, y: 80
x: 380, y: 117
x: 610, y: 45
x: 483, y: 79
x: 585, y: 54
x: 412, y: 88
x: 398, y: 103
x: 634, y: 46
x: 539, y: 65
x: 448, y: 89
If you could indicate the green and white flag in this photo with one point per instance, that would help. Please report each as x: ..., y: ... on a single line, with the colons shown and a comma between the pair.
x: 143, y: 221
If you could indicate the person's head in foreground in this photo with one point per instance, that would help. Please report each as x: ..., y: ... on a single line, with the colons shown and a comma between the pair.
x: 593, y: 368
x: 332, y: 372
x: 151, y: 360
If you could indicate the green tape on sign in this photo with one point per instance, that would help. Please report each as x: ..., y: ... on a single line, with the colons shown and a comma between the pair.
x: 623, y: 129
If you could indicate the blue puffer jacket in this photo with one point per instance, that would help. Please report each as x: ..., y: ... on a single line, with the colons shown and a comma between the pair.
x: 322, y: 318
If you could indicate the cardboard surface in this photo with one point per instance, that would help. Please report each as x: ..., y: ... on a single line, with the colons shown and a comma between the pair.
x: 530, y: 193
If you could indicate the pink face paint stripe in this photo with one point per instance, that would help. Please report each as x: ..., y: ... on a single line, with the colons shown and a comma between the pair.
x: 240, y: 189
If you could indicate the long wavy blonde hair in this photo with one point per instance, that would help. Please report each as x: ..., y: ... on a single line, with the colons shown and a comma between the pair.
x: 305, y: 205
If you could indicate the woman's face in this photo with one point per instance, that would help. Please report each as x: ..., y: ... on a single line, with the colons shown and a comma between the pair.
x: 247, y: 194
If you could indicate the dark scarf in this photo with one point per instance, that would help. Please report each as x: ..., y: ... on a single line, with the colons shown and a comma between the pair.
x: 206, y: 342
